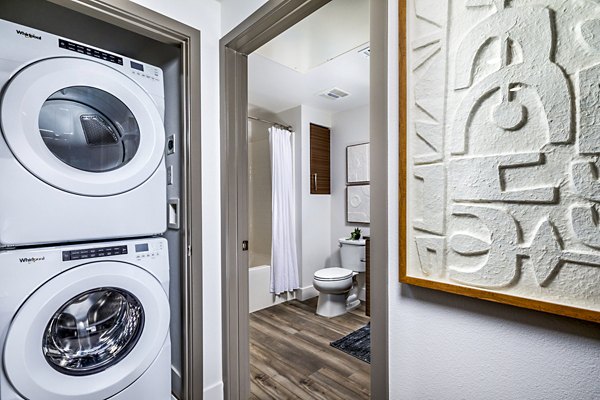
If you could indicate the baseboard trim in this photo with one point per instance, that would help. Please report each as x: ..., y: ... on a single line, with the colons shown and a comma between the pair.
x: 307, y: 292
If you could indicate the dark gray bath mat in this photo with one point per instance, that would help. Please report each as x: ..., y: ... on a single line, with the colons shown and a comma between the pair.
x: 357, y: 344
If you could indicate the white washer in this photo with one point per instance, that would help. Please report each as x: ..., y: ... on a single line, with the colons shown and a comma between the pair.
x: 83, y: 140
x: 86, y: 322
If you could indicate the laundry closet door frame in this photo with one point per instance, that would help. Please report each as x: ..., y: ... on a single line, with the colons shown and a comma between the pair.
x: 273, y: 18
x: 145, y: 22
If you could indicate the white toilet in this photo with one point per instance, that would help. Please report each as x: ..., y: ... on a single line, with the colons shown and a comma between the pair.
x: 337, y: 295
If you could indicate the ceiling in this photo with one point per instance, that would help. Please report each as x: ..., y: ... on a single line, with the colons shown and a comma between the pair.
x: 317, y: 54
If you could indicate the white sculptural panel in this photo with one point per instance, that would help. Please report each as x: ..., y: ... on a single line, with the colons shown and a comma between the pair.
x: 358, y: 204
x: 503, y: 147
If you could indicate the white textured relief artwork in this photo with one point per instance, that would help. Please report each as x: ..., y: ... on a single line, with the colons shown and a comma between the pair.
x: 359, y: 204
x: 357, y: 163
x: 503, y: 146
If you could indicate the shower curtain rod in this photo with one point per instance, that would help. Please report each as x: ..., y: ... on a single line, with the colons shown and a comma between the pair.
x: 286, y: 127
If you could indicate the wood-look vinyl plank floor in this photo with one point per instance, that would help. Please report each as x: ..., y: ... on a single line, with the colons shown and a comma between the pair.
x: 290, y: 355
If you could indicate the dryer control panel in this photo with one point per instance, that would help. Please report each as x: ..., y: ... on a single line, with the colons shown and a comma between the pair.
x: 89, y: 51
x: 96, y: 252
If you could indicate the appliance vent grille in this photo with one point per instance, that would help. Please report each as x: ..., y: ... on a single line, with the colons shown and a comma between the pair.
x: 334, y: 94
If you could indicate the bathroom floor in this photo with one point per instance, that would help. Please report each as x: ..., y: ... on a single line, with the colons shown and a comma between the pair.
x: 290, y: 355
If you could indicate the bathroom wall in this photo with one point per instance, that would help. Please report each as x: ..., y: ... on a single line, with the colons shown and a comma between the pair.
x: 259, y: 195
x: 259, y: 188
x: 347, y: 128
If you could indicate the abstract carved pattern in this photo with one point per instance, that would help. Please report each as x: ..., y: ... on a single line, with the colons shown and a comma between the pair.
x: 504, y: 146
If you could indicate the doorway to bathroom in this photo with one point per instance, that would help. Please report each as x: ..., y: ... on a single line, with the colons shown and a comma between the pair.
x: 289, y: 351
x: 307, y: 110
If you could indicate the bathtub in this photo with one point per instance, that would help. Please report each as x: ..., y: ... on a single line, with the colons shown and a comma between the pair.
x: 259, y: 279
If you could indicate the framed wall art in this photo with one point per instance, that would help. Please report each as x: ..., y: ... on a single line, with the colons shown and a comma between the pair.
x: 357, y: 164
x: 500, y: 151
x: 358, y: 204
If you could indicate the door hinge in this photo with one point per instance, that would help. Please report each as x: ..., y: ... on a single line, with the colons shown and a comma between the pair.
x: 244, y: 245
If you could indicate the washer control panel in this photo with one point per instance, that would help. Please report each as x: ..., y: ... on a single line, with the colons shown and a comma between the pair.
x: 82, y: 254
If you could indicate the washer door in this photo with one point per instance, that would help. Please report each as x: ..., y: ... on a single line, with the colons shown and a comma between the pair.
x: 82, y: 126
x: 88, y: 333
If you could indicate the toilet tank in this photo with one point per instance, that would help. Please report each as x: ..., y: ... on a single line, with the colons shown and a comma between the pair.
x: 353, y: 254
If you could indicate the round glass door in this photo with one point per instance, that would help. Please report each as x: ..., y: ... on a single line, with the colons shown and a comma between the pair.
x: 89, y: 129
x: 93, y: 331
x: 83, y: 127
x: 87, y: 333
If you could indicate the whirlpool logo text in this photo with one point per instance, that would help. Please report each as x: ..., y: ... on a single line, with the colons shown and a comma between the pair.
x: 29, y: 35
x: 30, y: 260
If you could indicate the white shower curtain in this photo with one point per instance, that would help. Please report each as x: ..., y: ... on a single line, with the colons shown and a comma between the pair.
x: 284, y: 260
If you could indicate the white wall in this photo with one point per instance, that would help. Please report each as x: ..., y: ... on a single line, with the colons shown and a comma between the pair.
x: 453, y: 347
x: 205, y: 16
x: 235, y: 11
x: 347, y: 128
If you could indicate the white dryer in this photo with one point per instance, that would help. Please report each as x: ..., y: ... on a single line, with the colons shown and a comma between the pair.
x: 82, y: 145
x: 86, y: 322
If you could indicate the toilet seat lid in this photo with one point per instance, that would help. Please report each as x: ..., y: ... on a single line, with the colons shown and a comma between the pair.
x: 333, y: 274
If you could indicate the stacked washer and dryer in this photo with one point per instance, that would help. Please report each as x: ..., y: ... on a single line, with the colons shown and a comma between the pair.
x: 84, y: 277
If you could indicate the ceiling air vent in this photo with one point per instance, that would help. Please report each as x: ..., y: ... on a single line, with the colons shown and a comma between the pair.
x: 334, y: 94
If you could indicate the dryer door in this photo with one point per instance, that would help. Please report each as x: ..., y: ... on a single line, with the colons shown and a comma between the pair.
x: 88, y: 333
x: 82, y: 126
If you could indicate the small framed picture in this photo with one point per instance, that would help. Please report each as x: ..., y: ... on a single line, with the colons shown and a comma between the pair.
x: 358, y: 204
x: 357, y: 164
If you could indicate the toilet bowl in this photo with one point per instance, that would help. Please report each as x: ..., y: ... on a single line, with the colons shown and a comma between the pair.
x: 333, y: 285
x: 340, y: 288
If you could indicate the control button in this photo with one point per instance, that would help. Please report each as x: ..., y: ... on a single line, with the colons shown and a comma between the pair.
x: 66, y: 256
x: 74, y: 257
